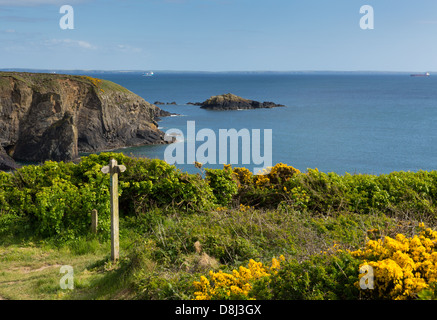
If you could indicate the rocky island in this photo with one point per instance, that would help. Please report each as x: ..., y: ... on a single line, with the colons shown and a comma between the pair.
x: 54, y: 117
x: 230, y: 101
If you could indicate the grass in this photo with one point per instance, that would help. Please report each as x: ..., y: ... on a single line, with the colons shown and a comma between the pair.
x: 31, y: 271
x: 160, y: 261
x: 107, y: 85
x: 40, y: 80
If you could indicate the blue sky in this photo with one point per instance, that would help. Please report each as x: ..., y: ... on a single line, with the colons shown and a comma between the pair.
x: 219, y: 35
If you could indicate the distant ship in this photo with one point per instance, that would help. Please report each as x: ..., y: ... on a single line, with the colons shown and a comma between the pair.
x: 421, y: 75
x: 148, y: 74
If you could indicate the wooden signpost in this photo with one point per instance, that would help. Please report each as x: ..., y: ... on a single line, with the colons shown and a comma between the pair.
x: 114, y: 169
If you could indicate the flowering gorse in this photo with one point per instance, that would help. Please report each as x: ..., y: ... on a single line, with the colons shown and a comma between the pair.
x: 282, y: 172
x: 269, y: 176
x: 244, y: 208
x: 235, y: 285
x: 402, y: 266
x: 243, y: 175
x: 96, y: 82
x: 261, y: 180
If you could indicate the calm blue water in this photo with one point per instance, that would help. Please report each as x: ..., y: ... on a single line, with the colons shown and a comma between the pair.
x: 336, y: 123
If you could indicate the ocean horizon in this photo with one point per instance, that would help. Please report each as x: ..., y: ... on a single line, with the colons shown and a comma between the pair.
x: 133, y: 71
x: 343, y: 122
x: 339, y: 123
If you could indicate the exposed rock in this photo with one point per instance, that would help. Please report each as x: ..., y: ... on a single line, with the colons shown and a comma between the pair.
x: 6, y: 162
x: 232, y: 102
x: 54, y: 117
x: 162, y: 103
x: 162, y: 113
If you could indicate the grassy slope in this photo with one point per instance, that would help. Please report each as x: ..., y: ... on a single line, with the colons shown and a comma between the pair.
x: 161, y: 263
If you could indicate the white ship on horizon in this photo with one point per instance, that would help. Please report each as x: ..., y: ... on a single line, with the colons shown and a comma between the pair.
x: 148, y: 74
x: 426, y: 74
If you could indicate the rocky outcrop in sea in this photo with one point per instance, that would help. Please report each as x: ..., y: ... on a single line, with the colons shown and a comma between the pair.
x: 230, y: 101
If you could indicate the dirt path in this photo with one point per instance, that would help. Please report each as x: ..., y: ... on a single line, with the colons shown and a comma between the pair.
x: 28, y: 270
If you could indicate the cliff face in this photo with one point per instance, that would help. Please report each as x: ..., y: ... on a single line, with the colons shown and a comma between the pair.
x: 50, y: 116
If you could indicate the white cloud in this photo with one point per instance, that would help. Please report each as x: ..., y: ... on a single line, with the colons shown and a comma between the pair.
x: 70, y: 43
x: 84, y: 44
x: 128, y: 49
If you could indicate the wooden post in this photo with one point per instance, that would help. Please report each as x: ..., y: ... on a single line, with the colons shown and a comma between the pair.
x: 113, y: 169
x: 94, y: 221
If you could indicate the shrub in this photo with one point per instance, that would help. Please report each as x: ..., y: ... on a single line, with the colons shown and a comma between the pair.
x: 53, y: 201
x: 244, y: 176
x: 281, y: 173
x: 399, y: 194
x: 402, y: 266
x: 322, y: 277
x: 65, y: 209
x: 223, y: 184
x: 430, y: 293
x: 154, y: 183
x: 235, y: 285
x: 57, y: 198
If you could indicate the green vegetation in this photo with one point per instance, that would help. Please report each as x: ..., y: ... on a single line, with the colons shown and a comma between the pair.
x: 101, y: 85
x: 177, y: 227
x: 39, y: 81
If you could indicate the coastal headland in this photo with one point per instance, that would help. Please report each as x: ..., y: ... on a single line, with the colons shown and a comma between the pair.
x: 54, y: 117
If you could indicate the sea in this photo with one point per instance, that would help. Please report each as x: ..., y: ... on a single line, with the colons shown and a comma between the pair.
x: 336, y: 122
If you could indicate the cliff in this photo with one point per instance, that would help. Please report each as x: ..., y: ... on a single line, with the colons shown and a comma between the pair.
x: 54, y: 117
x: 232, y: 102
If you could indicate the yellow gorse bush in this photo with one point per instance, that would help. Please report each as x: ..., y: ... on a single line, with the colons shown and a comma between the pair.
x: 244, y: 208
x: 235, y: 285
x: 282, y: 172
x: 96, y: 82
x: 278, y: 174
x: 261, y: 180
x: 243, y: 175
x: 402, y: 266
